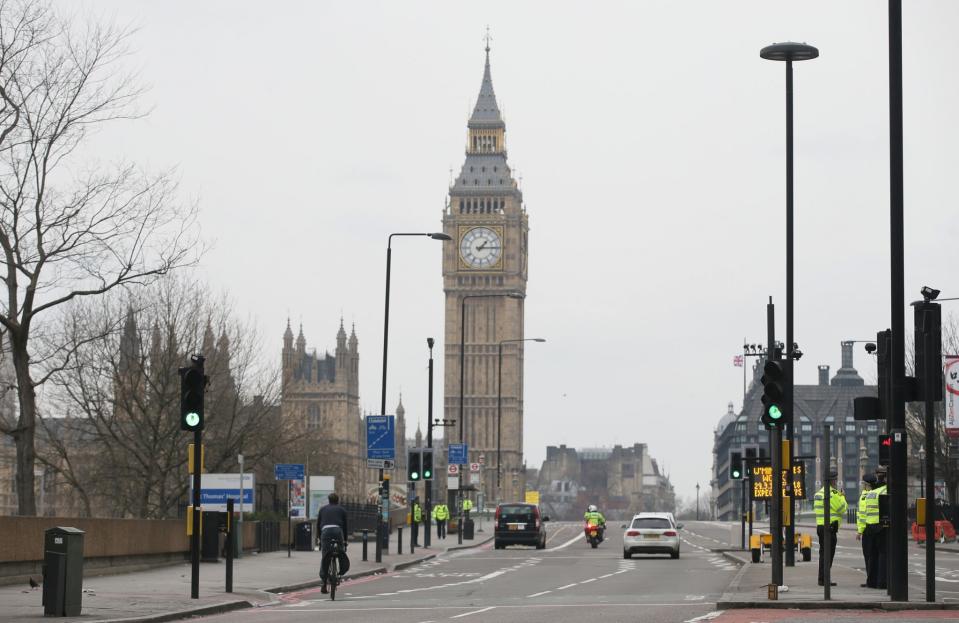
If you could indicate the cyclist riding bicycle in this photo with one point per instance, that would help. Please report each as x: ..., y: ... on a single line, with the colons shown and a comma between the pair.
x: 333, y: 529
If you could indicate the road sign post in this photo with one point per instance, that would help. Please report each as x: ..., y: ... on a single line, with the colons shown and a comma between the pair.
x: 381, y: 446
x: 289, y: 472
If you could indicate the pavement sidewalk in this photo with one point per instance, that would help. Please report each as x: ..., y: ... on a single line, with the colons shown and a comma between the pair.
x: 163, y: 594
x: 749, y: 589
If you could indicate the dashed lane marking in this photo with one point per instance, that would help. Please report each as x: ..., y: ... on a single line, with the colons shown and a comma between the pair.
x: 562, y: 588
x: 538, y: 594
x: 466, y: 614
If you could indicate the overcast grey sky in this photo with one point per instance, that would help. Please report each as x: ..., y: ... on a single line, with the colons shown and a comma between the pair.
x: 649, y: 137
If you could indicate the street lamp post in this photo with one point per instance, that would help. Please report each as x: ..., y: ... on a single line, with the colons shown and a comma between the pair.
x: 463, y: 438
x: 386, y: 341
x: 499, y: 406
x: 789, y: 52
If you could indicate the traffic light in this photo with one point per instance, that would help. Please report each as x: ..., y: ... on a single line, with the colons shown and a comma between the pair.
x: 192, y: 385
x: 735, y: 465
x: 414, y: 465
x: 427, y: 463
x: 774, y: 385
x: 885, y: 445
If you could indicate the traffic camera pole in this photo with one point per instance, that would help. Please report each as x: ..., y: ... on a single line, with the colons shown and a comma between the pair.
x: 229, y: 545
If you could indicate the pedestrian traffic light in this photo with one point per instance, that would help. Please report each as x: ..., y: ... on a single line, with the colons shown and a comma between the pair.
x: 192, y: 385
x: 414, y: 465
x: 885, y: 445
x: 774, y: 383
x: 735, y: 465
x: 427, y: 463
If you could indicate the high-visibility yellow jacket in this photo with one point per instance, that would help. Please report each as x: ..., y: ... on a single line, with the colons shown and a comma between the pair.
x: 862, y: 510
x: 441, y: 512
x: 417, y: 513
x: 837, y: 506
x: 467, y: 505
x: 872, y: 505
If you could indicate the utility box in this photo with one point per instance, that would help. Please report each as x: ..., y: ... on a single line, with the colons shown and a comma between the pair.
x: 62, y: 571
x: 468, y: 529
x: 303, y: 540
x: 210, y: 536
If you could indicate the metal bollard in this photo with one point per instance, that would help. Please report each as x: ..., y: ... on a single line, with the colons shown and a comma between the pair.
x: 399, y: 540
x: 366, y: 539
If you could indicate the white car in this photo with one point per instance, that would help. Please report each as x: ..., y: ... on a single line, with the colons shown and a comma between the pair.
x: 652, y: 533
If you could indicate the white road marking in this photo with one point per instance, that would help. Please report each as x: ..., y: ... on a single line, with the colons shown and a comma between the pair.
x: 567, y: 586
x: 538, y: 594
x: 706, y: 617
x: 588, y: 581
x: 576, y: 538
x: 603, y: 577
x: 466, y: 614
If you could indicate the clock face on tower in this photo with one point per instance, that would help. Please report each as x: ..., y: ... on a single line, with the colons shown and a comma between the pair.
x: 481, y: 247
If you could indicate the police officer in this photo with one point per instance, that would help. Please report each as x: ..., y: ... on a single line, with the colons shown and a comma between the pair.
x: 440, y: 514
x: 865, y: 518
x: 837, y: 506
x: 416, y: 517
x: 467, y: 507
x: 876, y: 573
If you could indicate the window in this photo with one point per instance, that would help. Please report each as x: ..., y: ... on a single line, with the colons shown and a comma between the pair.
x: 313, y: 417
x: 627, y: 470
x: 806, y: 428
x: 850, y: 427
x: 651, y: 523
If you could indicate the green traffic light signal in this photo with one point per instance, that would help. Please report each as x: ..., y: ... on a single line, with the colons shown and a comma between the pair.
x: 427, y: 474
x: 414, y: 475
x: 192, y: 419
x: 737, y: 474
x: 775, y: 413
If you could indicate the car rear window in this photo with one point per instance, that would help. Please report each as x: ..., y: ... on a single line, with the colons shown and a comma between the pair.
x: 651, y: 523
x: 516, y: 509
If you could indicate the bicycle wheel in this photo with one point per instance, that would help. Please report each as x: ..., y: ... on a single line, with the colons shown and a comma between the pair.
x: 333, y: 574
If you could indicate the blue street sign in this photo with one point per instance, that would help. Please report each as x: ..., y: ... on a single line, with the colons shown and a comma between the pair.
x: 380, y: 437
x: 457, y: 454
x: 289, y: 471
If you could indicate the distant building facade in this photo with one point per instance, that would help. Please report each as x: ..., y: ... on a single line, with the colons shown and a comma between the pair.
x: 321, y: 399
x: 830, y: 402
x: 622, y: 481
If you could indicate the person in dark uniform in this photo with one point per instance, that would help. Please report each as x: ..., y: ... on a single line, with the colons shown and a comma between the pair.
x: 865, y: 517
x: 332, y: 521
x: 879, y: 531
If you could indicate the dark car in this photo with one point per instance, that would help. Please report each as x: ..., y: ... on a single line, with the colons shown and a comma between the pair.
x: 519, y: 524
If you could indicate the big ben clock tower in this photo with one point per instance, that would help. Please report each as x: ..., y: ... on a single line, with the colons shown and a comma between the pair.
x: 484, y: 277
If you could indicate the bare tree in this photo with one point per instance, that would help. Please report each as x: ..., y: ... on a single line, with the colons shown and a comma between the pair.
x: 946, y: 461
x: 116, y: 443
x: 68, y: 229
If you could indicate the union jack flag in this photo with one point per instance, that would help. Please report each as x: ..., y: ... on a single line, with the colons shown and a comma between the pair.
x: 738, y: 361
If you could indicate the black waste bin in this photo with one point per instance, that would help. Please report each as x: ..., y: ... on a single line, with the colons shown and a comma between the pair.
x: 62, y: 571
x: 468, y: 529
x: 303, y: 537
x: 210, y: 537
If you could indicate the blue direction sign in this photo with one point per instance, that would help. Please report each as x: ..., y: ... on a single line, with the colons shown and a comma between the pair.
x: 457, y: 454
x: 380, y: 437
x: 289, y: 471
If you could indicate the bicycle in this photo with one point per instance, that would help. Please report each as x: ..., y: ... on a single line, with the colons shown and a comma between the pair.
x: 333, y: 569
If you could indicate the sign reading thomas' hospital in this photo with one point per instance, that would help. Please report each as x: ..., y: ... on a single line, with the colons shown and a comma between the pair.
x: 763, y: 481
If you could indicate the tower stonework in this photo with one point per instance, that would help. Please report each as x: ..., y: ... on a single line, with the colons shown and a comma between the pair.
x: 487, y: 221
x: 321, y: 400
